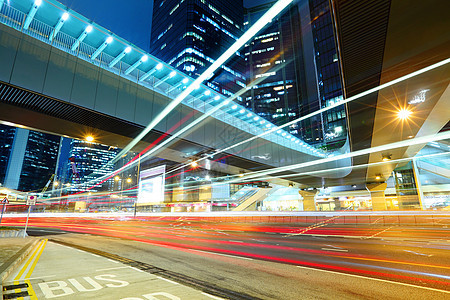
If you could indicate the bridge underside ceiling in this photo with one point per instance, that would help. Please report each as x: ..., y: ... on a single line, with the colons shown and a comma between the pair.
x: 392, y: 39
x: 39, y: 112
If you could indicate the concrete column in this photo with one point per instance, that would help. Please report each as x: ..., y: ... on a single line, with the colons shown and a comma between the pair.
x: 309, y: 203
x: 376, y: 191
x: 418, y: 183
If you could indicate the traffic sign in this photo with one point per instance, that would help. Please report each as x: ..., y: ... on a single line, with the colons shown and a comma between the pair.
x: 5, y: 201
x: 31, y: 200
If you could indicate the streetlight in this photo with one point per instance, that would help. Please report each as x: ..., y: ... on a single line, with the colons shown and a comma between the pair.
x: 116, y: 178
x: 403, y: 114
x: 386, y: 157
x: 194, y: 164
x: 129, y: 180
x: 89, y: 138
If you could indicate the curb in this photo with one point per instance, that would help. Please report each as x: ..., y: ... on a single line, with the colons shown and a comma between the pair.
x: 11, y: 233
x: 14, y: 261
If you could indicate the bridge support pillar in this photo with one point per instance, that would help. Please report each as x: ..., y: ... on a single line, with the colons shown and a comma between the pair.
x: 309, y: 197
x: 377, y: 194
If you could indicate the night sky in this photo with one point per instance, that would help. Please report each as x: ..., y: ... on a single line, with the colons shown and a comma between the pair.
x: 124, y: 19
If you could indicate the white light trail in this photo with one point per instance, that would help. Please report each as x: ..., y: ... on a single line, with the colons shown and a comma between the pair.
x: 261, y: 23
x: 405, y: 143
x: 353, y: 98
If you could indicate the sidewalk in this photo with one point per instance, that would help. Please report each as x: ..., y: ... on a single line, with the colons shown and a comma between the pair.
x: 12, y: 252
x: 55, y: 270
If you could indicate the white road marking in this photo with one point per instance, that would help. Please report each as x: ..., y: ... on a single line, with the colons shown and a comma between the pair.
x: 331, y: 249
x: 116, y: 262
x: 112, y: 268
x: 211, y: 296
x: 167, y: 280
x: 334, y: 247
x: 233, y: 256
x: 417, y: 253
x: 377, y: 279
x: 235, y: 241
x: 95, y: 255
x: 136, y: 269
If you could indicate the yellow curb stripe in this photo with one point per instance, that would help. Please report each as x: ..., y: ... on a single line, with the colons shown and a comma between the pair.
x: 36, y: 248
x: 31, y: 292
x: 36, y: 260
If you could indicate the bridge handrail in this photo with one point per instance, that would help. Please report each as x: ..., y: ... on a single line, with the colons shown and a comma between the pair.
x: 15, y: 18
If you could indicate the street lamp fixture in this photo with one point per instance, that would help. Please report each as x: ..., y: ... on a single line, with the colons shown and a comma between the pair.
x: 194, y: 164
x: 129, y: 180
x: 386, y: 157
x: 55, y: 183
x: 116, y: 178
x: 90, y: 138
x: 404, y: 114
x: 378, y: 177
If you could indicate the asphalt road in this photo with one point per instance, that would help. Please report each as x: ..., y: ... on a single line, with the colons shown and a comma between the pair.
x: 278, y: 262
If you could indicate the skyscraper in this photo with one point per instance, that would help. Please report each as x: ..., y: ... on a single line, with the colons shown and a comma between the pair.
x: 87, y: 162
x: 273, y: 63
x: 6, y: 141
x: 32, y: 158
x: 190, y: 35
x: 328, y: 74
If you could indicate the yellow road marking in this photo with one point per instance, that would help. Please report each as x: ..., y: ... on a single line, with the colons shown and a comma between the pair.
x: 39, y: 248
x: 28, y: 261
x: 31, y: 292
x: 36, y: 260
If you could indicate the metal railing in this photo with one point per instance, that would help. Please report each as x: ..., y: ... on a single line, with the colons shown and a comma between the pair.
x: 15, y: 18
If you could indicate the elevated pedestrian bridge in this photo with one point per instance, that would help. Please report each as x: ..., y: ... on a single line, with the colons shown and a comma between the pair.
x: 61, y: 72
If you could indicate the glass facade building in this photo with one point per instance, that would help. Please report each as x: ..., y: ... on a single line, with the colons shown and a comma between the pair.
x: 273, y: 64
x: 191, y: 34
x: 41, y: 155
x: 6, y: 140
x: 27, y: 158
x: 87, y: 162
x: 334, y: 125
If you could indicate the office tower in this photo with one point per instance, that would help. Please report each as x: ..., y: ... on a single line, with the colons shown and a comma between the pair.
x: 87, y: 162
x: 32, y: 159
x: 328, y: 73
x: 190, y: 35
x: 6, y: 141
x: 274, y: 68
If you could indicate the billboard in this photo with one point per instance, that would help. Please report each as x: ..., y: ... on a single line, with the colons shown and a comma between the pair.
x: 151, y: 185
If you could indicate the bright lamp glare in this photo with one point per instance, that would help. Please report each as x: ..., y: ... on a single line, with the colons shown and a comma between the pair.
x: 127, y: 49
x: 38, y: 2
x: 109, y: 39
x: 207, y: 93
x: 216, y: 97
x: 89, y: 29
x: 89, y: 138
x: 403, y: 114
x: 65, y: 16
x: 172, y: 74
x: 194, y: 164
x: 159, y: 66
x: 185, y: 80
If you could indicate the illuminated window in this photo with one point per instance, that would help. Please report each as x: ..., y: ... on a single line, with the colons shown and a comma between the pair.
x: 266, y: 74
